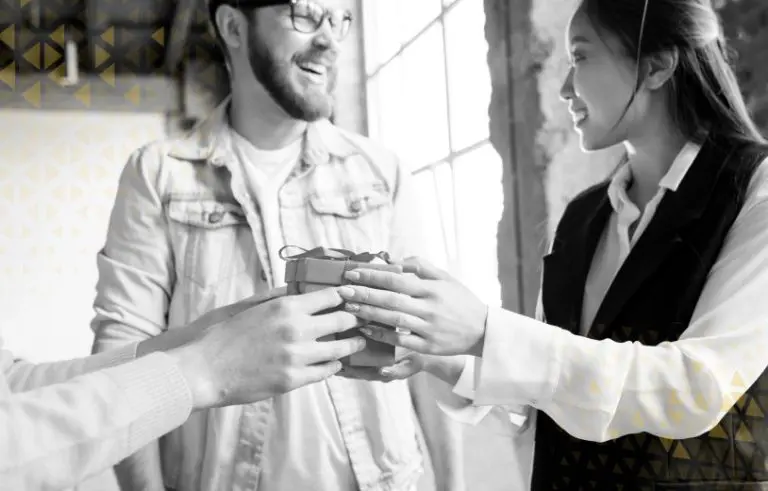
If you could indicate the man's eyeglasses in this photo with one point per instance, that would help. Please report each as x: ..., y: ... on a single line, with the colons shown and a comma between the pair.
x: 308, y: 16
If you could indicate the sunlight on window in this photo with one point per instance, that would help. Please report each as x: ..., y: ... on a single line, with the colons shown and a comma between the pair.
x: 440, y: 127
x: 469, y: 80
x: 479, y: 203
x: 412, y: 105
x: 435, y: 223
x: 393, y: 23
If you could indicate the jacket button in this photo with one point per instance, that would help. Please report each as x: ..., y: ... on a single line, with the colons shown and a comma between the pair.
x: 215, y: 217
x: 356, y: 206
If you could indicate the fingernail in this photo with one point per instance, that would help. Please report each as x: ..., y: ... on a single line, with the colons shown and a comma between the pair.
x: 367, y: 331
x: 352, y: 275
x: 386, y: 372
x: 346, y: 292
x: 352, y: 307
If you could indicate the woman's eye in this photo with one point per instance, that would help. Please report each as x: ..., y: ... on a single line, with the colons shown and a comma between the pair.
x: 577, y: 57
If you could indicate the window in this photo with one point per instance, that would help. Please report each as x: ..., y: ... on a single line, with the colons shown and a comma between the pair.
x: 429, y: 91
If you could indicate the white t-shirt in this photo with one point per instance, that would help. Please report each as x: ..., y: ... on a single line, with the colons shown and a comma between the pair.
x: 305, y: 449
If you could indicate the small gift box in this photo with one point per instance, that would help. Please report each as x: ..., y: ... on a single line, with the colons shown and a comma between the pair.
x: 322, y: 268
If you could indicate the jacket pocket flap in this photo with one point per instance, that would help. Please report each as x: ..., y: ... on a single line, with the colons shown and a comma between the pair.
x: 352, y: 204
x: 206, y: 214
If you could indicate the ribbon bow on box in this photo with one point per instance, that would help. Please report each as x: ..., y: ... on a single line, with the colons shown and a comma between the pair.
x: 321, y: 268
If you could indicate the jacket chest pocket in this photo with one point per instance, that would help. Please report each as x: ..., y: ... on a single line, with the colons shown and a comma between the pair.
x: 358, y: 219
x: 211, y: 240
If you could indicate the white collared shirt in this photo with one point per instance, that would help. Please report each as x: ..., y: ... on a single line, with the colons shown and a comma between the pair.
x: 601, y: 390
x: 617, y: 242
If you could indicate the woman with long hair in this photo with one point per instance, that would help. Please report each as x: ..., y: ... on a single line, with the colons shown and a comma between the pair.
x: 646, y: 364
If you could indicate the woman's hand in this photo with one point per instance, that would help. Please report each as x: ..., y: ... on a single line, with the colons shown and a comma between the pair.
x: 431, y: 312
x: 407, y: 365
x: 446, y: 368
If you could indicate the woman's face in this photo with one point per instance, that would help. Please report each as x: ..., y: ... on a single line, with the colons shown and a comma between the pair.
x: 599, y: 85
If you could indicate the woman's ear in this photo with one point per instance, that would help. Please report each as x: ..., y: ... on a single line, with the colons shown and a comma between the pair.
x: 659, y: 68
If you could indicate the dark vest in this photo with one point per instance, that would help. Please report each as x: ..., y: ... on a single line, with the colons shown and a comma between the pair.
x: 651, y: 300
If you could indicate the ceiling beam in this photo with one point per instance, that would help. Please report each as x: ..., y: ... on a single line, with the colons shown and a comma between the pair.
x: 180, y: 29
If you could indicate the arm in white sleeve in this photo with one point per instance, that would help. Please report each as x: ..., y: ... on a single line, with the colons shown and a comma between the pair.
x: 22, y: 376
x: 600, y: 390
x: 465, y: 410
x: 56, y: 436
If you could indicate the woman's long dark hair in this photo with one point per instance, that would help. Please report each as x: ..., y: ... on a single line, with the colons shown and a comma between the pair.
x: 704, y: 92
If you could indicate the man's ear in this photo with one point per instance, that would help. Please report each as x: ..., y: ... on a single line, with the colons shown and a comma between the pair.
x: 232, y: 26
x: 659, y: 68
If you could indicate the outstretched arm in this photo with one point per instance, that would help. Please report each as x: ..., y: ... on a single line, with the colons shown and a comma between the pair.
x: 596, y: 390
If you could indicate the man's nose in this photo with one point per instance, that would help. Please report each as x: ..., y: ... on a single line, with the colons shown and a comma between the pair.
x: 326, y: 38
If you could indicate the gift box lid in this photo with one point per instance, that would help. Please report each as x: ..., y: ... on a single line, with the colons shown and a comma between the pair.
x: 328, y: 271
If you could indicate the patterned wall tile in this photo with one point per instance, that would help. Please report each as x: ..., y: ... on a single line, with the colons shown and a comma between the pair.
x: 58, y: 176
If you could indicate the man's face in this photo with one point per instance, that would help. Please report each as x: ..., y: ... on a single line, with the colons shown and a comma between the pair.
x: 298, y: 69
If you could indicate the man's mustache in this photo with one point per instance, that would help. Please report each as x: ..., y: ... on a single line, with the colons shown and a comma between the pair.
x: 327, y: 58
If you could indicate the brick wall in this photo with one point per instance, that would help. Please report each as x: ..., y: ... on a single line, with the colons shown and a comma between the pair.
x: 745, y: 23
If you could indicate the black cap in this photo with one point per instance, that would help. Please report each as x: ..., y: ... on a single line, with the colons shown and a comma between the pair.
x: 215, y: 4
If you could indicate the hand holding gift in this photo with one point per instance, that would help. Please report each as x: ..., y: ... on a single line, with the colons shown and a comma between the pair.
x: 439, y: 314
x: 321, y: 268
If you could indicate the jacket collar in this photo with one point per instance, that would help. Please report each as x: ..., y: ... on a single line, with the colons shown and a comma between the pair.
x: 209, y: 141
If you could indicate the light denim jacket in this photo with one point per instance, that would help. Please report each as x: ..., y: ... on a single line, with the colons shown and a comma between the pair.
x: 185, y: 237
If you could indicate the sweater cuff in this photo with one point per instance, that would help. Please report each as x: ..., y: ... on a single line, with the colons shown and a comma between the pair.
x: 111, y: 358
x: 156, y: 388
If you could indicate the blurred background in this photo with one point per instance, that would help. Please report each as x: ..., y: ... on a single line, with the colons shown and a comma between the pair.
x: 466, y: 91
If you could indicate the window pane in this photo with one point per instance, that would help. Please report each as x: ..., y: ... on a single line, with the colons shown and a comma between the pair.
x: 391, y: 23
x: 382, y: 39
x: 374, y: 97
x: 411, y: 102
x: 479, y: 204
x: 469, y: 79
x: 434, y: 248
x: 386, y: 106
x: 445, y: 182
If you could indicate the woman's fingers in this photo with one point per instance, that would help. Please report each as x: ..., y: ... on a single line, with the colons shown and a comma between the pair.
x: 383, y: 300
x: 387, y: 335
x: 407, y: 285
x: 399, y: 321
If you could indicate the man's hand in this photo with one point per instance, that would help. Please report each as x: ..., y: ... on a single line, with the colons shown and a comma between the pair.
x: 431, y: 312
x: 268, y: 349
x: 173, y: 338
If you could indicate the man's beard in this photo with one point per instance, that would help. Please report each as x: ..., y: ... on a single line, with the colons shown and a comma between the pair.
x: 274, y: 76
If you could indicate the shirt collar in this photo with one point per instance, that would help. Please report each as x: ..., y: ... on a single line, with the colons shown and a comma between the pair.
x: 617, y: 189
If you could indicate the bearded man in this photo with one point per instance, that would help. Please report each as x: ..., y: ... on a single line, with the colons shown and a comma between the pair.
x: 199, y: 222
